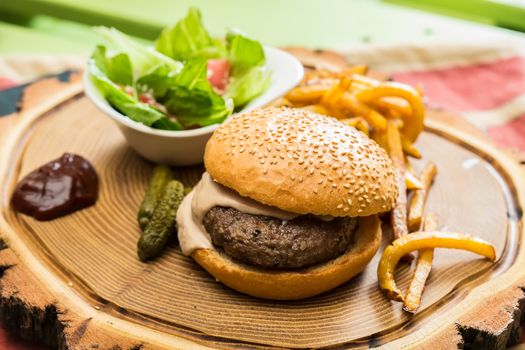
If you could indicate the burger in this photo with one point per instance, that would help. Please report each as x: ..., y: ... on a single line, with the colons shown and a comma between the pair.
x: 287, y: 208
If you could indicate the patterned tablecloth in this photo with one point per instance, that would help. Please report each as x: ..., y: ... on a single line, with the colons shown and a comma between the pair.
x: 483, y: 81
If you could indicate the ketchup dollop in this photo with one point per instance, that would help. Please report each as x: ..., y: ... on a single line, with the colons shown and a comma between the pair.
x: 57, y: 188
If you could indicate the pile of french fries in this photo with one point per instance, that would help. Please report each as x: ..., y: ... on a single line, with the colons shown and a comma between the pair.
x: 392, y: 114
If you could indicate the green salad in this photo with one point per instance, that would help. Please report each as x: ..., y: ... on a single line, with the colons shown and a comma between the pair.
x: 187, y: 80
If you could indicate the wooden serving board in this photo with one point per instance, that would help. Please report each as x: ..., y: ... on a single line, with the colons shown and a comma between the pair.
x: 76, y: 282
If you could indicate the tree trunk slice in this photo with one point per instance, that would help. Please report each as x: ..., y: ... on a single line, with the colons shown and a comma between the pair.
x: 76, y: 283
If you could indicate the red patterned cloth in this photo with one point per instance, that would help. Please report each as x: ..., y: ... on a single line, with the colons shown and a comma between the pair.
x: 481, y: 87
x: 6, y: 83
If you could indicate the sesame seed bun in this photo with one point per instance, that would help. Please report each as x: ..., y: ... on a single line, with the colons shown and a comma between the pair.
x: 302, y: 162
x: 295, y: 284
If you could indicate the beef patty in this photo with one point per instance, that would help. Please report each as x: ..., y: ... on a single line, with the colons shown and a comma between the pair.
x: 272, y: 243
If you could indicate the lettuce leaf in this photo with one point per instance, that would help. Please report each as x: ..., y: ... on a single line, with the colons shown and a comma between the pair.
x: 244, y: 53
x: 122, y: 101
x: 143, y: 60
x: 158, y: 82
x: 244, y: 88
x: 175, y: 74
x: 117, y: 68
x: 249, y: 77
x: 192, y: 98
x: 189, y: 39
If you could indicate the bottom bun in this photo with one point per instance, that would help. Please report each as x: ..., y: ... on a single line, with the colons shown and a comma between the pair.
x: 301, y: 283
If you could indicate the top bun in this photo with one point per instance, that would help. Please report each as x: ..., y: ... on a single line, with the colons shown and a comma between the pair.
x: 302, y: 162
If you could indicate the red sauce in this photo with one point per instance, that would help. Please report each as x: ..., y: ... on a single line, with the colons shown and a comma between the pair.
x: 60, y: 187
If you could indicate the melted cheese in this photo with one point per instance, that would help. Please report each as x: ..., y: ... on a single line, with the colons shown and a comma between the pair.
x: 206, y: 195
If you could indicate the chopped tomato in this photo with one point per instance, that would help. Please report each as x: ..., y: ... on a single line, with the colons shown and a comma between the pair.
x: 219, y: 73
x: 144, y: 98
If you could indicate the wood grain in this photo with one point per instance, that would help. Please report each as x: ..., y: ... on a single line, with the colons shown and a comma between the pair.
x: 79, y: 282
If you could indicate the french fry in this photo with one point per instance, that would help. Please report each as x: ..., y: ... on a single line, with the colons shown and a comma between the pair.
x: 417, y: 203
x: 412, y: 182
x: 335, y: 93
x: 393, y: 114
x: 280, y: 102
x: 357, y: 69
x: 317, y: 109
x: 409, y: 148
x: 375, y: 119
x: 359, y: 123
x: 351, y: 103
x: 364, y: 80
x: 380, y: 138
x: 318, y: 74
x: 414, y: 122
x: 408, y: 165
x: 422, y: 271
x: 308, y: 94
x: 395, y: 151
x: 423, y: 240
x: 393, y: 103
x: 357, y: 86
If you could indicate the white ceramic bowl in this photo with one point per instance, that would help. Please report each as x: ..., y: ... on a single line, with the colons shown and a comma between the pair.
x: 186, y: 147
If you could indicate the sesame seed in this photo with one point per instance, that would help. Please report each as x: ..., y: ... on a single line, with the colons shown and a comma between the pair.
x: 339, y: 206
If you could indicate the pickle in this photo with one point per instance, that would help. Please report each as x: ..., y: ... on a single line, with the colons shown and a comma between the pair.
x: 160, y: 177
x: 162, y: 223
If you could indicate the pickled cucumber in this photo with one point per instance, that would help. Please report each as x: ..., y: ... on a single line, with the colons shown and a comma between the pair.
x: 160, y: 177
x: 161, y: 225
